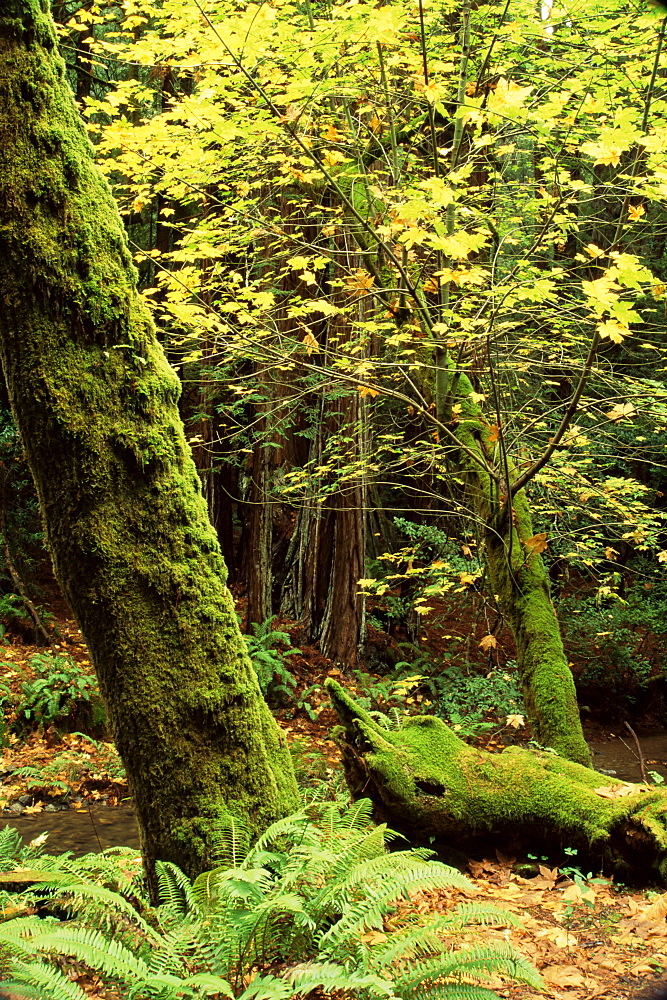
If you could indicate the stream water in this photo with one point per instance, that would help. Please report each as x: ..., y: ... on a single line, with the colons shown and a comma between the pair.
x: 80, y: 832
x: 619, y: 754
x: 95, y: 829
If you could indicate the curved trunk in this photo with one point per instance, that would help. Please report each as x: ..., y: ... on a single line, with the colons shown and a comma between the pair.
x: 520, y: 582
x: 128, y: 531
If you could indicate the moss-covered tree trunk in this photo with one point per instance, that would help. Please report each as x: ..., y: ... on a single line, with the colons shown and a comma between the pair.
x: 519, y: 579
x: 430, y: 785
x: 133, y: 550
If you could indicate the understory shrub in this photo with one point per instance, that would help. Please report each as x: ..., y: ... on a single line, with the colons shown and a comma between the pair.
x: 60, y: 693
x: 268, y: 649
x: 71, y: 766
x: 618, y: 647
x: 472, y: 695
x: 468, y: 699
x: 302, y: 910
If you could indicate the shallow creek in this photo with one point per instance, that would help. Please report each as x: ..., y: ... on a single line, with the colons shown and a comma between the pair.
x: 619, y: 754
x: 81, y: 832
x: 98, y: 828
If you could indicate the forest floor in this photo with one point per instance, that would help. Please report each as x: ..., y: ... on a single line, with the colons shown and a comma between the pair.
x: 588, y: 936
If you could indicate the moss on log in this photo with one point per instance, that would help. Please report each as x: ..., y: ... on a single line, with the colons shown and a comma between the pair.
x: 429, y: 784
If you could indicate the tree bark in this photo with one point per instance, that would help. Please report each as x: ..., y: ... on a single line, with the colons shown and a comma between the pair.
x: 259, y: 569
x: 430, y: 785
x: 132, y: 546
x: 520, y: 582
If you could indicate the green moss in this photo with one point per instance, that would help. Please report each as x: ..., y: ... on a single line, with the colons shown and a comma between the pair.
x: 132, y: 546
x: 519, y: 578
x: 432, y: 784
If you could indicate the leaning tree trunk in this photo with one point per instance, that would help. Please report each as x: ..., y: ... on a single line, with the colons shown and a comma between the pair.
x: 133, y: 550
x: 519, y: 580
x: 427, y: 783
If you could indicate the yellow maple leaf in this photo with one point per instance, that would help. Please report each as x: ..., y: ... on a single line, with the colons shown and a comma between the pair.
x: 515, y: 721
x: 331, y: 133
x: 508, y: 94
x: 359, y: 282
x: 413, y: 235
x: 610, y: 157
x: 620, y: 411
x: 365, y: 390
x: 611, y: 329
x: 331, y: 157
x: 635, y: 212
x: 536, y: 544
x: 434, y: 92
x: 606, y: 152
x: 488, y: 642
x: 310, y: 343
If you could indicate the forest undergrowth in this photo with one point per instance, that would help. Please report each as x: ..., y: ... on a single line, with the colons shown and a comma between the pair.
x: 587, y: 936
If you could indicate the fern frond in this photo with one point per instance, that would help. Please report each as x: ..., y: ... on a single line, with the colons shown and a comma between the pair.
x: 206, y: 983
x: 481, y: 913
x: 476, y: 963
x: 174, y: 887
x: 93, y: 949
x: 16, y: 935
x: 383, y: 883
x: 330, y: 977
x: 263, y: 934
x: 187, y: 940
x: 163, y: 986
x: 406, y: 867
x: 231, y: 842
x: 292, y: 827
x: 360, y: 845
x: 417, y: 940
x: 451, y: 991
x: 245, y: 886
x: 267, y: 988
x: 43, y: 982
x: 117, y: 868
x: 11, y: 845
x: 358, y: 815
x: 107, y: 899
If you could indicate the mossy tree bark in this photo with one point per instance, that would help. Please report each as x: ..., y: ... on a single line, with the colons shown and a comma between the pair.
x: 133, y: 550
x: 429, y: 784
x: 519, y: 580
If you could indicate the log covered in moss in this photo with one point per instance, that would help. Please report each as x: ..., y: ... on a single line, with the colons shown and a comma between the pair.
x: 430, y: 785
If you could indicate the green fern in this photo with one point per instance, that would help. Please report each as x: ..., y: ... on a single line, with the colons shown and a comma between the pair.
x: 275, y: 680
x: 44, y: 982
x: 275, y: 922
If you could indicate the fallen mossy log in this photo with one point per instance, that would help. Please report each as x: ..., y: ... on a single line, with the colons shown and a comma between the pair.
x: 431, y: 786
